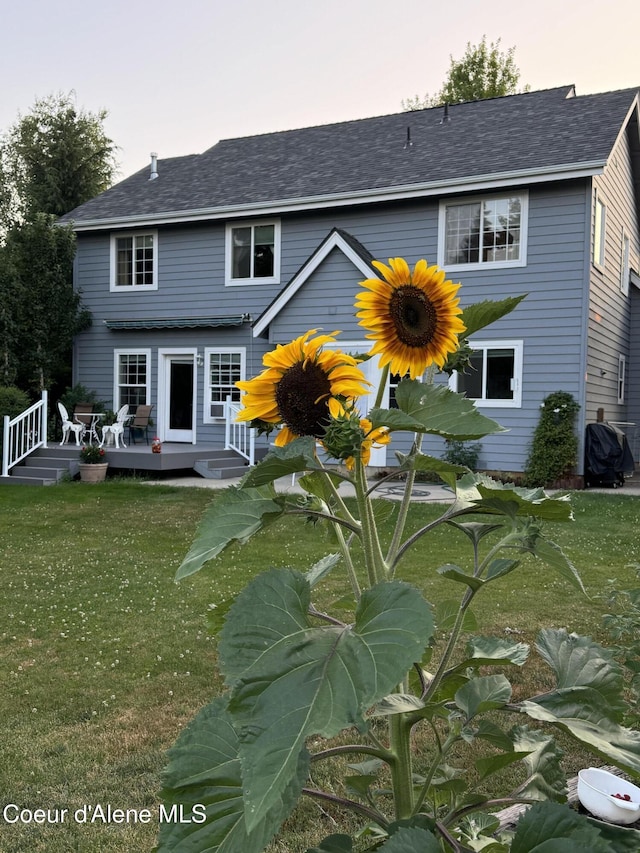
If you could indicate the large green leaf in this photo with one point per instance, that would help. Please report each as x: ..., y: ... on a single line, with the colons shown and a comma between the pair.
x: 434, y: 409
x: 483, y: 693
x: 236, y: 514
x: 411, y: 840
x: 432, y: 465
x: 333, y: 844
x: 552, y: 828
x: 455, y: 573
x: 488, y: 651
x: 579, y: 717
x: 546, y: 779
x: 623, y: 839
x: 298, y: 455
x: 481, y: 493
x: 587, y: 702
x: 580, y: 662
x: 495, y: 763
x: 204, y: 771
x: 481, y: 314
x: 292, y: 679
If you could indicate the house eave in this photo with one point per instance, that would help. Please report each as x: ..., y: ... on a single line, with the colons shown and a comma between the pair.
x: 425, y: 189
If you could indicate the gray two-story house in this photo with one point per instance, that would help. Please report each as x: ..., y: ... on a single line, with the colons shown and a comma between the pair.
x: 196, y: 267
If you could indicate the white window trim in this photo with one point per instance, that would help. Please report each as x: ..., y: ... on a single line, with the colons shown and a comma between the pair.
x: 228, y: 254
x: 622, y: 376
x: 625, y: 271
x: 599, y: 249
x: 207, y: 418
x: 518, y: 350
x: 129, y: 288
x: 116, y: 373
x: 523, y: 195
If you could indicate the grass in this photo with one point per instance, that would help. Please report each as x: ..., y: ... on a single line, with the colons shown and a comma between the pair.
x: 104, y: 659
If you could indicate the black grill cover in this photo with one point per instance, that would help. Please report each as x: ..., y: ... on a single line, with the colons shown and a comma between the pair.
x: 607, y: 451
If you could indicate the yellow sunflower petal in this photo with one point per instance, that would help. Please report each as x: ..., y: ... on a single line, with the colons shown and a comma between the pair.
x: 416, y: 321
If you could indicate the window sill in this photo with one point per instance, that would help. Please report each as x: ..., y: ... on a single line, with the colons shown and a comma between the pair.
x: 480, y: 267
x: 248, y: 282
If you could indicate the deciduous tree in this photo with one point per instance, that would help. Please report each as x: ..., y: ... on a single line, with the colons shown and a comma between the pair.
x: 483, y: 72
x: 53, y: 159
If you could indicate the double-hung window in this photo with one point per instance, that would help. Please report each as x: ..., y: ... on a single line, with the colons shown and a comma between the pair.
x: 134, y: 261
x: 224, y: 367
x: 252, y: 253
x: 486, y: 232
x: 625, y: 267
x: 494, y: 376
x: 622, y: 376
x: 132, y: 374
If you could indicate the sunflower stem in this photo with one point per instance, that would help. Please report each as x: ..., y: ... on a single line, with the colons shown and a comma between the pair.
x: 374, y: 560
x: 392, y: 553
x: 346, y: 554
x: 384, y: 375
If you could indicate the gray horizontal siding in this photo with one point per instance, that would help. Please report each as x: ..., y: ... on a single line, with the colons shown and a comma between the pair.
x: 191, y: 283
x: 609, y: 309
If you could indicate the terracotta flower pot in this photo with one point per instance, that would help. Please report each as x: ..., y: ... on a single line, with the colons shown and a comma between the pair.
x: 93, y: 473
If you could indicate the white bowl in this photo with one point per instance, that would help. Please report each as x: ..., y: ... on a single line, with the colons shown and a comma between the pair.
x: 595, y: 791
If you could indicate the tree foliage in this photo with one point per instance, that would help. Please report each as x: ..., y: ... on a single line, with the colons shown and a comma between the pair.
x: 53, y: 159
x: 45, y: 309
x: 483, y: 72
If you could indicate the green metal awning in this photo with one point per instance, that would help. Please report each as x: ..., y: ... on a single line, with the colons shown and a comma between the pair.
x: 178, y: 322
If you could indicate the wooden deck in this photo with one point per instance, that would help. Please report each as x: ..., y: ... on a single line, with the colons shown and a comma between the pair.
x: 49, y: 465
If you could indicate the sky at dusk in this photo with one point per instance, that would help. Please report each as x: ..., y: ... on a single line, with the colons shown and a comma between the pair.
x: 176, y: 76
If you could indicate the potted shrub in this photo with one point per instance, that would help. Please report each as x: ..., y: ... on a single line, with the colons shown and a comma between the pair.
x: 93, y: 468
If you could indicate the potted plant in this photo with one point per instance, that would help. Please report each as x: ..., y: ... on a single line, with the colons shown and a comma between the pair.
x: 93, y: 468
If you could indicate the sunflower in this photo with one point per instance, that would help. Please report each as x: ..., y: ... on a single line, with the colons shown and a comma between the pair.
x: 413, y: 317
x: 372, y: 438
x: 302, y: 387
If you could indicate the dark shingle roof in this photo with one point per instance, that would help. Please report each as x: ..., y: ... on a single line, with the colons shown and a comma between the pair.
x: 518, y: 134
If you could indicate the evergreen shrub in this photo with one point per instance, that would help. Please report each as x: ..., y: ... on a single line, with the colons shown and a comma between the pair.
x: 554, y: 450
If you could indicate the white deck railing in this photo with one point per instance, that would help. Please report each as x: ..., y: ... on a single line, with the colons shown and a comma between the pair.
x: 23, y: 434
x: 238, y: 435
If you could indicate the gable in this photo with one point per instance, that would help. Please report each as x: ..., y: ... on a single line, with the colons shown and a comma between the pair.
x: 289, y: 307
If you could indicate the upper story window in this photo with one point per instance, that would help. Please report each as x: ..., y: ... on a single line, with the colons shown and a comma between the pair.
x: 599, y: 233
x: 134, y: 261
x: 494, y: 377
x: 487, y: 232
x: 253, y: 253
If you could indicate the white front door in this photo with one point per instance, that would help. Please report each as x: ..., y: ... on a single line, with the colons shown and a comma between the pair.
x: 177, y: 397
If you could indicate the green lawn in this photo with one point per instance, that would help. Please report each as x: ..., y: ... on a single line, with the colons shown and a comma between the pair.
x: 103, y: 658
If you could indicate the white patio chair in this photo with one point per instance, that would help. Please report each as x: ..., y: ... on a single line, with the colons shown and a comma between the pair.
x: 117, y: 428
x: 69, y: 426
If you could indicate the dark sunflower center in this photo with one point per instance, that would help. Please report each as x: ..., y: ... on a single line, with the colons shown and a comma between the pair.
x: 414, y: 316
x: 302, y: 397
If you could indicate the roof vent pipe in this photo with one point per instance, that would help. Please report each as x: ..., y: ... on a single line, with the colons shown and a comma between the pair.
x: 445, y: 117
x: 408, y: 143
x: 154, y: 166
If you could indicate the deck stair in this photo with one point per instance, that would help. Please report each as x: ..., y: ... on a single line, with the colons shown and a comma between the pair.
x: 45, y: 467
x: 222, y: 465
x: 48, y: 466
